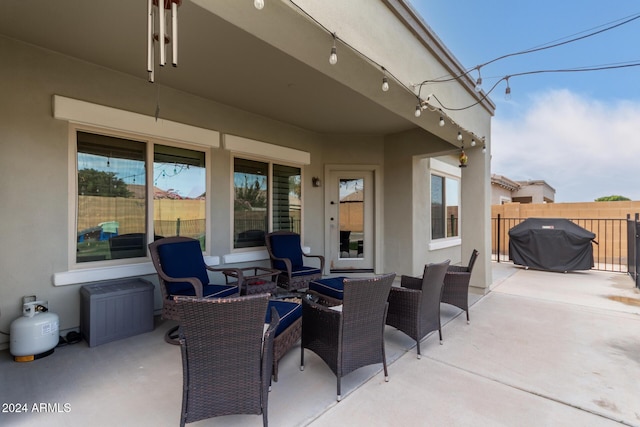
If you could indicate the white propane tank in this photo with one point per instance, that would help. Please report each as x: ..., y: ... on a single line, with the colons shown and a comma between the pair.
x: 35, y: 334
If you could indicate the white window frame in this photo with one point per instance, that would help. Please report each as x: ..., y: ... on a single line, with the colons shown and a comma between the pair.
x: 94, y: 118
x: 270, y: 154
x: 445, y: 170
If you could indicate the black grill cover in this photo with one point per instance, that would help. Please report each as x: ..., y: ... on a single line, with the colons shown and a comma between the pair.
x: 554, y: 244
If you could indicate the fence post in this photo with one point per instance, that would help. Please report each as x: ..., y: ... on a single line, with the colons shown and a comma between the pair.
x: 498, y: 236
x: 636, y: 229
x: 631, y: 259
x: 178, y: 227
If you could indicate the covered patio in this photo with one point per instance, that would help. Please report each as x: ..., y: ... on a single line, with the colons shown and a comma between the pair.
x: 253, y: 94
x: 542, y: 348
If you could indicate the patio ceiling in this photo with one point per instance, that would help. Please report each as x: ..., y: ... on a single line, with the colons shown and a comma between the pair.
x: 220, y: 61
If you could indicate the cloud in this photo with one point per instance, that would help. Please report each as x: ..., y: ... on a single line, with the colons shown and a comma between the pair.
x: 583, y: 148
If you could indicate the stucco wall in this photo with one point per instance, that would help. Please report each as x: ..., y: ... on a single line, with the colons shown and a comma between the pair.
x: 35, y: 164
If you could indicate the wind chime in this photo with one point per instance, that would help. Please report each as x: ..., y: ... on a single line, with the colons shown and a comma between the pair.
x: 463, y: 158
x: 167, y: 25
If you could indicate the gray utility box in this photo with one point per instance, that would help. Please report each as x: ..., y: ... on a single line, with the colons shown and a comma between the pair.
x: 115, y: 309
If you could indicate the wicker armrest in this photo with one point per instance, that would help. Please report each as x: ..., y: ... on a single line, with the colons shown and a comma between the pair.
x: 410, y: 282
x: 287, y: 263
x: 193, y: 281
x: 404, y: 291
x: 460, y: 278
x: 403, y: 298
x: 323, y: 299
x: 457, y: 269
x: 320, y: 257
x: 321, y: 308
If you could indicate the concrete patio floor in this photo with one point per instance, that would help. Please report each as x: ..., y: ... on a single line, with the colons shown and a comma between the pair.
x: 542, y: 349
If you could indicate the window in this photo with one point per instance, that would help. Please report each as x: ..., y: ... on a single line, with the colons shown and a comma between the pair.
x: 445, y: 203
x: 112, y: 216
x: 179, y: 195
x: 287, y: 198
x: 264, y: 190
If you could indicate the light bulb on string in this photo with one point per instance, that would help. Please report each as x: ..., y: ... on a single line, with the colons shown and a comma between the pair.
x: 459, y: 136
x: 385, y: 80
x: 418, y: 111
x: 441, y: 122
x: 258, y: 4
x: 507, y: 91
x: 484, y: 149
x: 333, y: 58
x: 473, y: 142
x: 479, y: 82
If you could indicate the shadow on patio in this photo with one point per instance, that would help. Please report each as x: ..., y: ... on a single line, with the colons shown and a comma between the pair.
x: 542, y: 349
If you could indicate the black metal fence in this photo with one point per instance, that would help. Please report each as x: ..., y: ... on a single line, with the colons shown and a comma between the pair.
x: 633, y: 248
x: 610, y: 253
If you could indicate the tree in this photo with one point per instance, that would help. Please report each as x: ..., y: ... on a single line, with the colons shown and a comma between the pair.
x: 613, y: 198
x: 250, y: 196
x: 92, y: 182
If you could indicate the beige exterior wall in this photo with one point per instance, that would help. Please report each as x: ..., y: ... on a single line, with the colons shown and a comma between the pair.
x: 499, y: 195
x: 35, y: 158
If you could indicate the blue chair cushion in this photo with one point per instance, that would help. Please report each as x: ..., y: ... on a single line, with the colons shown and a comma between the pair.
x: 183, y: 259
x: 332, y: 287
x: 304, y: 271
x: 286, y: 246
x: 289, y: 312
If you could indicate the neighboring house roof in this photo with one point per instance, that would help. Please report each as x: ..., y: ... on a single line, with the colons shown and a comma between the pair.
x: 505, y: 182
x: 530, y: 191
x: 536, y: 182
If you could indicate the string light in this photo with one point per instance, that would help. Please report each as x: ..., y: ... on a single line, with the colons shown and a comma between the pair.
x: 333, y: 58
x: 421, y: 105
x: 459, y: 136
x: 507, y: 91
x: 550, y: 45
x: 385, y: 81
x: 424, y: 105
x: 258, y: 4
x: 473, y: 142
x: 479, y: 82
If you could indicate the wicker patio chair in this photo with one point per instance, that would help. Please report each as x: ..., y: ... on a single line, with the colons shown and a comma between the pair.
x: 285, y: 252
x: 182, y: 271
x: 456, y: 284
x: 225, y: 366
x: 414, y: 307
x: 349, y: 336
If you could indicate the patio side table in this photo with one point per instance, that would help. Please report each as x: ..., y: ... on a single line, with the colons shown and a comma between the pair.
x: 256, y: 280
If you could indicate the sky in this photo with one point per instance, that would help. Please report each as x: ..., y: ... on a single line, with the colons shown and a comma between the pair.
x: 578, y: 131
